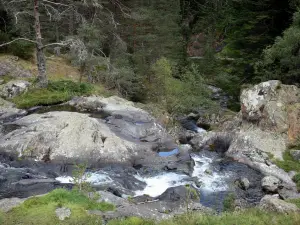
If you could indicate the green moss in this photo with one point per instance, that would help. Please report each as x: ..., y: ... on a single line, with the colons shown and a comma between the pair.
x: 288, y: 163
x: 56, y: 92
x: 41, y: 210
x: 296, y: 178
x: 295, y: 201
x: 228, y: 203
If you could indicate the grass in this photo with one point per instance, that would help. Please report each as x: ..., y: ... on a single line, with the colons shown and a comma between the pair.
x: 288, y: 163
x: 41, y: 210
x: 249, y: 217
x: 295, y: 201
x: 56, y: 92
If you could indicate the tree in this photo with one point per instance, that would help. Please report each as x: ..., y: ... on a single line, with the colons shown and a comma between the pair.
x: 55, y: 11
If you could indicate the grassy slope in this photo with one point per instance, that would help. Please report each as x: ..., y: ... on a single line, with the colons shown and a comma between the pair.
x: 249, y: 217
x: 63, y: 85
x: 41, y: 210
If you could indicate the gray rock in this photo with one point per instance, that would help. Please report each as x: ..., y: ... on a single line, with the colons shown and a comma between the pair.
x: 244, y: 183
x: 111, y: 198
x: 266, y: 104
x: 67, y: 137
x: 63, y: 213
x: 11, y: 68
x: 295, y: 154
x: 292, y: 174
x: 185, y: 149
x: 14, y: 88
x: 1, y: 81
x: 8, y: 110
x: 7, y: 204
x: 272, y: 203
x: 270, y: 184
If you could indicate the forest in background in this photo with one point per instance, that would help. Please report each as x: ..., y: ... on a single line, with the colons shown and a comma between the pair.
x: 163, y: 51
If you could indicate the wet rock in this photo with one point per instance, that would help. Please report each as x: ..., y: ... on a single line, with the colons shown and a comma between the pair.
x: 244, y: 183
x: 193, y: 116
x: 111, y: 198
x: 8, y: 111
x: 178, y: 194
x: 270, y: 184
x: 14, y: 88
x: 242, y: 150
x: 295, y: 154
x: 63, y: 213
x: 208, y: 171
x: 219, y: 95
x: 185, y: 136
x: 272, y: 203
x: 184, y: 149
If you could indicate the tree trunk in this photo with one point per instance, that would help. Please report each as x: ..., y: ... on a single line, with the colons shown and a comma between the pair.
x: 40, y: 56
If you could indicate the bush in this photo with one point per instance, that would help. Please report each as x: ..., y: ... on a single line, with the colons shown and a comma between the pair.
x: 182, y: 95
x: 22, y: 49
x: 282, y: 59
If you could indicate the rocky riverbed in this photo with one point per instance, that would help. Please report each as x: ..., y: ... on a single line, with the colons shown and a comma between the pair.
x: 130, y: 156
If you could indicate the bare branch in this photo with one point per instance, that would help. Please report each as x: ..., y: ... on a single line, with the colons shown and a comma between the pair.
x: 55, y: 3
x: 16, y: 15
x: 17, y: 39
x: 63, y: 43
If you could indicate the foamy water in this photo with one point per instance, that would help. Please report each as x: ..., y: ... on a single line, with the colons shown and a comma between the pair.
x: 93, y: 178
x: 159, y: 184
x: 210, y: 180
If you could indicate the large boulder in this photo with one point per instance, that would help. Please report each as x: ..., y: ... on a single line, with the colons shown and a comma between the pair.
x: 14, y: 88
x: 293, y: 123
x: 265, y: 104
x: 68, y: 136
x: 124, y: 118
x: 270, y: 184
x: 272, y: 203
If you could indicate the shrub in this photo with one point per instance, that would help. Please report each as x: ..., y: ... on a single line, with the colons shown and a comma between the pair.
x: 282, y: 59
x: 22, y: 49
